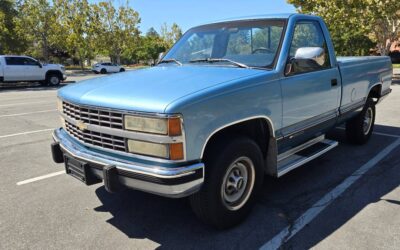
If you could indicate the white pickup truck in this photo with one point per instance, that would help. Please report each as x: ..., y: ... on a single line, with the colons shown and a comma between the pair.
x: 27, y: 69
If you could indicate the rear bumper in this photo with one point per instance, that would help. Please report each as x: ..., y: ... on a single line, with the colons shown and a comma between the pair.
x: 116, y: 173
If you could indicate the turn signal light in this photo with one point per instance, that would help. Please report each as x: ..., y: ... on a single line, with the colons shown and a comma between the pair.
x: 176, y: 151
x: 174, y: 126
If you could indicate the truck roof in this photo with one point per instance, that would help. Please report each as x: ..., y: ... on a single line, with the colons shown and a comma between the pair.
x: 258, y: 17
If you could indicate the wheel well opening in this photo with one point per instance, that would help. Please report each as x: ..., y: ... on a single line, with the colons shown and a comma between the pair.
x: 55, y: 72
x: 256, y: 129
x: 375, y: 92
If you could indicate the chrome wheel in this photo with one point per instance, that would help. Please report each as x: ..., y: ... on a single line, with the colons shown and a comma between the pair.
x: 238, y: 183
x: 368, y: 118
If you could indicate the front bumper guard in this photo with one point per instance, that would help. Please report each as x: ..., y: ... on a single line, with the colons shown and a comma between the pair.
x: 173, y: 182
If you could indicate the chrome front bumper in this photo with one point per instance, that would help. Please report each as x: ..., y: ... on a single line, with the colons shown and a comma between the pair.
x: 165, y: 181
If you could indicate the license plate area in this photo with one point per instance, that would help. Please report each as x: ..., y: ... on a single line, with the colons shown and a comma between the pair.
x: 80, y: 170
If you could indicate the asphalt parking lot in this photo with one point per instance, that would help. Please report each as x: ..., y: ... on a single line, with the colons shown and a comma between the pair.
x: 347, y: 199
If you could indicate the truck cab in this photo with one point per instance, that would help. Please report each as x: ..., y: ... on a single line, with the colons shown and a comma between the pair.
x: 28, y: 69
x: 230, y: 102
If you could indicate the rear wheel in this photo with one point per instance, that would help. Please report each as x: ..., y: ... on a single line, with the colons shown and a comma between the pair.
x: 103, y: 71
x: 122, y: 70
x: 359, y: 128
x: 53, y: 80
x: 233, y: 178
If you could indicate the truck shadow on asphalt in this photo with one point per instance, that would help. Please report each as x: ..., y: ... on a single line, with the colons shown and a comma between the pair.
x: 171, y: 223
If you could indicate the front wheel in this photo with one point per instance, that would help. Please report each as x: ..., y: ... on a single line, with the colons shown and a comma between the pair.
x: 359, y: 128
x: 53, y: 80
x: 234, y: 175
x: 122, y: 70
x: 103, y: 71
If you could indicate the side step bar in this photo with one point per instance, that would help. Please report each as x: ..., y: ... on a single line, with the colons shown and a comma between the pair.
x: 304, y: 153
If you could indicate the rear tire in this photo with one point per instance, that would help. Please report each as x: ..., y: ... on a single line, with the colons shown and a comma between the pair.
x: 53, y: 80
x: 233, y: 178
x: 103, y: 71
x: 122, y: 70
x: 359, y: 128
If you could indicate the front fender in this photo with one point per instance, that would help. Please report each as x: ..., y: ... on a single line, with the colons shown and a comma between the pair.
x: 211, y: 111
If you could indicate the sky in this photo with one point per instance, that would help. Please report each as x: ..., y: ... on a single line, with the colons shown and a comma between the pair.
x: 189, y: 13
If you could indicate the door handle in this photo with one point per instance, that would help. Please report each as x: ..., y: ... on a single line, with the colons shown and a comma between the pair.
x: 334, y: 82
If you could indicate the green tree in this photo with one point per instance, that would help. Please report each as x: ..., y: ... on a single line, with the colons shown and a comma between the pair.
x: 170, y: 34
x: 10, y: 40
x: 37, y: 24
x: 152, y: 33
x: 356, y: 24
x: 118, y: 33
x: 75, y: 20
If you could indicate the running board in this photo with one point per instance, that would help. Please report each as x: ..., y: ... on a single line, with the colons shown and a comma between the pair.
x: 304, y: 153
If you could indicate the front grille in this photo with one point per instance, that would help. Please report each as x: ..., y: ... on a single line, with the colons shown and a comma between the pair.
x: 96, y: 139
x: 93, y: 116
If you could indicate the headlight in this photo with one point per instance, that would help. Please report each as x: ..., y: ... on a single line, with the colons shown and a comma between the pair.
x: 167, y: 151
x: 162, y: 126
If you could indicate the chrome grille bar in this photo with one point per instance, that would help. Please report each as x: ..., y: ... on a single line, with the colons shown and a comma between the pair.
x: 94, y: 116
x: 96, y: 139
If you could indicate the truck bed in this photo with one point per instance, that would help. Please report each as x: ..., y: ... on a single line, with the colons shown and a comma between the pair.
x: 360, y: 74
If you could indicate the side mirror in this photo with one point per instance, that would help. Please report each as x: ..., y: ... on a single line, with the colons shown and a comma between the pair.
x: 306, y: 59
x: 315, y: 54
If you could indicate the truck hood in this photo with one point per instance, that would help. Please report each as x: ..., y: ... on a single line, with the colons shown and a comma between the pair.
x: 152, y: 89
x: 53, y: 66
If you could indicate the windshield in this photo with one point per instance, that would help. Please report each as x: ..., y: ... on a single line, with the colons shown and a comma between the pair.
x: 239, y: 43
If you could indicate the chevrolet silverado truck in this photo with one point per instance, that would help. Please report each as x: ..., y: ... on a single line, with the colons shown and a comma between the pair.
x: 27, y: 69
x: 230, y: 102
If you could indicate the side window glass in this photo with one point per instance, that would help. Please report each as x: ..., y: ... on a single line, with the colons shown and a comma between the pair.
x: 14, y: 61
x: 308, y: 39
x: 29, y: 61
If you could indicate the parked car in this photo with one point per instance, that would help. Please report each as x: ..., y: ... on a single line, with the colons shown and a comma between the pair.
x: 107, y: 67
x: 28, y: 69
x: 230, y: 102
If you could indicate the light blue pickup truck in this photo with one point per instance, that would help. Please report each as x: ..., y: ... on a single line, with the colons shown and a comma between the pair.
x: 230, y: 102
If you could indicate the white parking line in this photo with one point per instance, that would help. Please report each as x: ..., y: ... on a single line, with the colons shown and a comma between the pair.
x: 290, y: 231
x: 30, y: 113
x: 40, y: 178
x: 385, y: 134
x: 377, y: 133
x: 25, y: 103
x: 26, y: 133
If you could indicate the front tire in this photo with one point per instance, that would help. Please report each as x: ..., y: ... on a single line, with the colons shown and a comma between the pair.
x: 103, y: 71
x: 122, y: 70
x: 359, y: 128
x: 53, y: 80
x: 233, y: 178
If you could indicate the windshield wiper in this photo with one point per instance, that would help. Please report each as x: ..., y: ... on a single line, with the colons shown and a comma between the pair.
x: 170, y: 60
x: 212, y: 60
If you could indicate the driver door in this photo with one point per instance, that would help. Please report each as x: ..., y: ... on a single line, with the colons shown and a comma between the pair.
x: 33, y: 72
x: 311, y: 94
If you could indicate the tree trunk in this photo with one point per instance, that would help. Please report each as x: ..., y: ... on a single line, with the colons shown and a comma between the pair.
x: 81, y: 61
x: 45, y: 50
x: 118, y: 57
